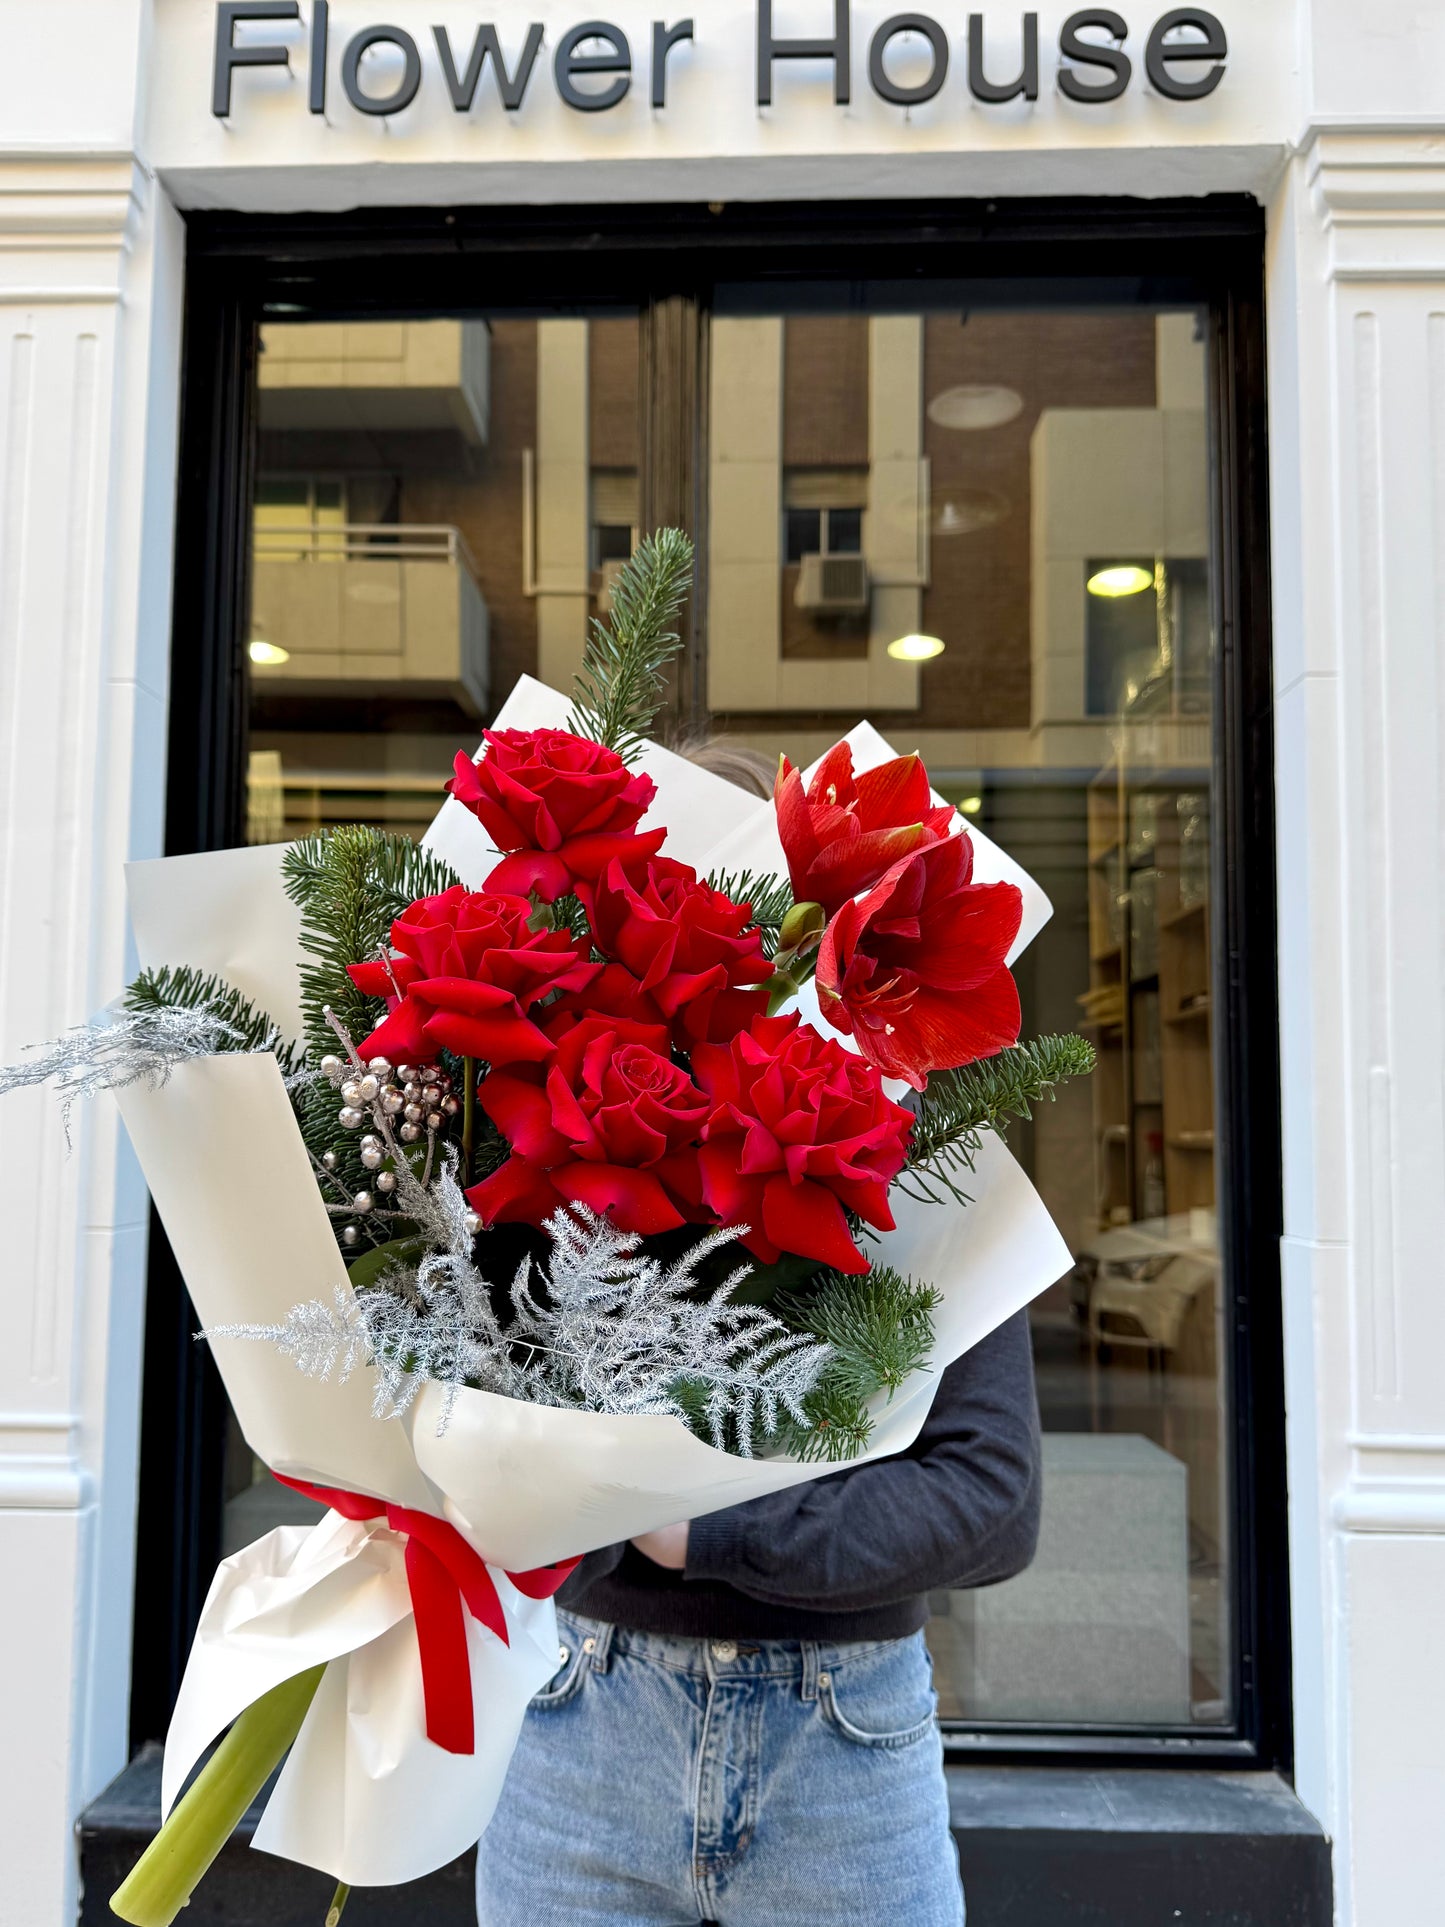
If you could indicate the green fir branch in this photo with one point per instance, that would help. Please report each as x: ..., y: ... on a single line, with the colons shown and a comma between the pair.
x: 569, y: 914
x: 623, y: 679
x: 350, y: 884
x: 880, y: 1328
x: 397, y: 870
x: 185, y: 988
x: 960, y: 1105
x: 879, y: 1324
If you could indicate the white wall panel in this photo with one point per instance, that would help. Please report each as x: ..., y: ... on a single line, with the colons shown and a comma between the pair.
x: 90, y: 269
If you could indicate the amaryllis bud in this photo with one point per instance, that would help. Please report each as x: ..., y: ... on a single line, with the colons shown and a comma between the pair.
x: 802, y: 929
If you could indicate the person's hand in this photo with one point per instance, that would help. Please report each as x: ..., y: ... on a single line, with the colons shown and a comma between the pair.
x: 665, y: 1547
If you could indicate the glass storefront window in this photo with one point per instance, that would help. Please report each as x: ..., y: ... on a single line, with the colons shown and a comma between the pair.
x: 988, y: 531
x: 1027, y: 601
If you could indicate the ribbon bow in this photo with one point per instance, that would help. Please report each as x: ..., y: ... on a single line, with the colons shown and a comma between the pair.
x: 443, y: 1574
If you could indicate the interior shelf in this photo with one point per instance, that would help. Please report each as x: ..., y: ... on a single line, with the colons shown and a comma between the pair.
x: 1191, y: 913
x: 1195, y: 1013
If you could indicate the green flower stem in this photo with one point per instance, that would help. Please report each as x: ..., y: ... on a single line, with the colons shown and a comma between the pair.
x: 469, y: 1117
x: 338, y: 1902
x: 208, y: 1813
x: 780, y: 988
x: 787, y: 982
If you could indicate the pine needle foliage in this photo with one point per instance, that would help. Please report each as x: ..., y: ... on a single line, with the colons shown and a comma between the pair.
x: 350, y: 884
x: 960, y: 1105
x: 623, y: 678
x: 770, y: 898
x: 569, y: 914
x: 184, y: 988
x: 878, y: 1327
x: 878, y: 1323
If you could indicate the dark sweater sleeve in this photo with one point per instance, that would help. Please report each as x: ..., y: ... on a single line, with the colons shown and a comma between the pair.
x: 960, y: 1508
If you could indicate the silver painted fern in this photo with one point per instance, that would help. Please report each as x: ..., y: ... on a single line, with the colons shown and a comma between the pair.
x: 618, y: 1330
x: 130, y: 1048
x: 614, y: 1330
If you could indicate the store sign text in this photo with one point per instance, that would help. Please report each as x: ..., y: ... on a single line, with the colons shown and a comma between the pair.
x: 592, y: 63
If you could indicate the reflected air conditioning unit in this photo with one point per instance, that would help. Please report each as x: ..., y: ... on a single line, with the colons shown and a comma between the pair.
x: 832, y: 584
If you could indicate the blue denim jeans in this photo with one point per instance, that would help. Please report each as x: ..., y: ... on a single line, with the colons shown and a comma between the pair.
x: 769, y: 1784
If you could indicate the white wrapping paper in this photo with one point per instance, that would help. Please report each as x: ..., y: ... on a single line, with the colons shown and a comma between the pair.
x: 711, y: 824
x: 365, y: 1796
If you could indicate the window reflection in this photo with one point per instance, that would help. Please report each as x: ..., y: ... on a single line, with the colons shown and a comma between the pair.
x: 995, y: 466
x: 443, y: 506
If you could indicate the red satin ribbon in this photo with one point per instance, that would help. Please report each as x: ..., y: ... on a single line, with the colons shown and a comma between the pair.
x: 444, y: 1574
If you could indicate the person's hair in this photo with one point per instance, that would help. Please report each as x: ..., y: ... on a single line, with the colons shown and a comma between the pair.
x: 748, y: 769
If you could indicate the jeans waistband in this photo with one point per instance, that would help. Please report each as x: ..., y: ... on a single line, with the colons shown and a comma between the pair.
x: 797, y: 1659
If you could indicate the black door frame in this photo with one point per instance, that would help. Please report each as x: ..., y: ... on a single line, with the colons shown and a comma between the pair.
x: 374, y: 263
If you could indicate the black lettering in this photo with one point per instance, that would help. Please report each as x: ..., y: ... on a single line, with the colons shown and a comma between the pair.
x: 316, y: 97
x: 838, y: 50
x: 664, y: 39
x: 921, y: 90
x: 1213, y: 46
x: 1027, y: 84
x: 568, y: 63
x: 229, y: 56
x: 486, y: 46
x: 1090, y: 54
x: 404, y: 93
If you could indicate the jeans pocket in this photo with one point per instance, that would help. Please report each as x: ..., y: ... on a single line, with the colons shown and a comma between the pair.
x: 883, y: 1698
x: 573, y: 1665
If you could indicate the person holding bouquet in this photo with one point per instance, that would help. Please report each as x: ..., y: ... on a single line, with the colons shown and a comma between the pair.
x: 741, y: 1726
x: 594, y: 1158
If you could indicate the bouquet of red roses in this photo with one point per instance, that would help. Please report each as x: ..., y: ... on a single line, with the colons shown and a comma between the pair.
x: 582, y: 1189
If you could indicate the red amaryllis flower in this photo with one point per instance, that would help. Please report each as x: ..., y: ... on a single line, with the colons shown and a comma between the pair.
x: 844, y: 831
x: 915, y: 969
x: 799, y: 1128
x: 687, y: 945
x: 466, y: 970
x: 562, y: 808
x: 611, y: 1123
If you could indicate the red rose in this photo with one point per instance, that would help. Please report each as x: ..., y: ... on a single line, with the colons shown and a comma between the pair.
x: 614, y: 992
x: 687, y: 945
x: 845, y: 831
x: 611, y: 1123
x: 467, y: 969
x: 799, y: 1129
x: 915, y: 970
x: 562, y: 807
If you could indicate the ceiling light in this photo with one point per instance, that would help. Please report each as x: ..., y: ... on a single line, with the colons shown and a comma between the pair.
x: 971, y: 805
x: 1120, y: 578
x: 970, y: 509
x: 975, y: 405
x: 915, y: 648
x: 269, y: 654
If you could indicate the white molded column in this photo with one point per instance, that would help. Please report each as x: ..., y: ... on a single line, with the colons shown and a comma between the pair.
x: 563, y: 505
x: 90, y: 282
x: 745, y: 513
x: 898, y: 539
x: 1357, y: 396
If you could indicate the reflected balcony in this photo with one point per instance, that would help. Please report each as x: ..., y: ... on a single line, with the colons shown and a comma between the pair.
x: 413, y: 377
x: 390, y: 610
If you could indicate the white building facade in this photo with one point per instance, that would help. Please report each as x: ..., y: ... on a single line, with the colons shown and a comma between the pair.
x: 1333, y: 118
